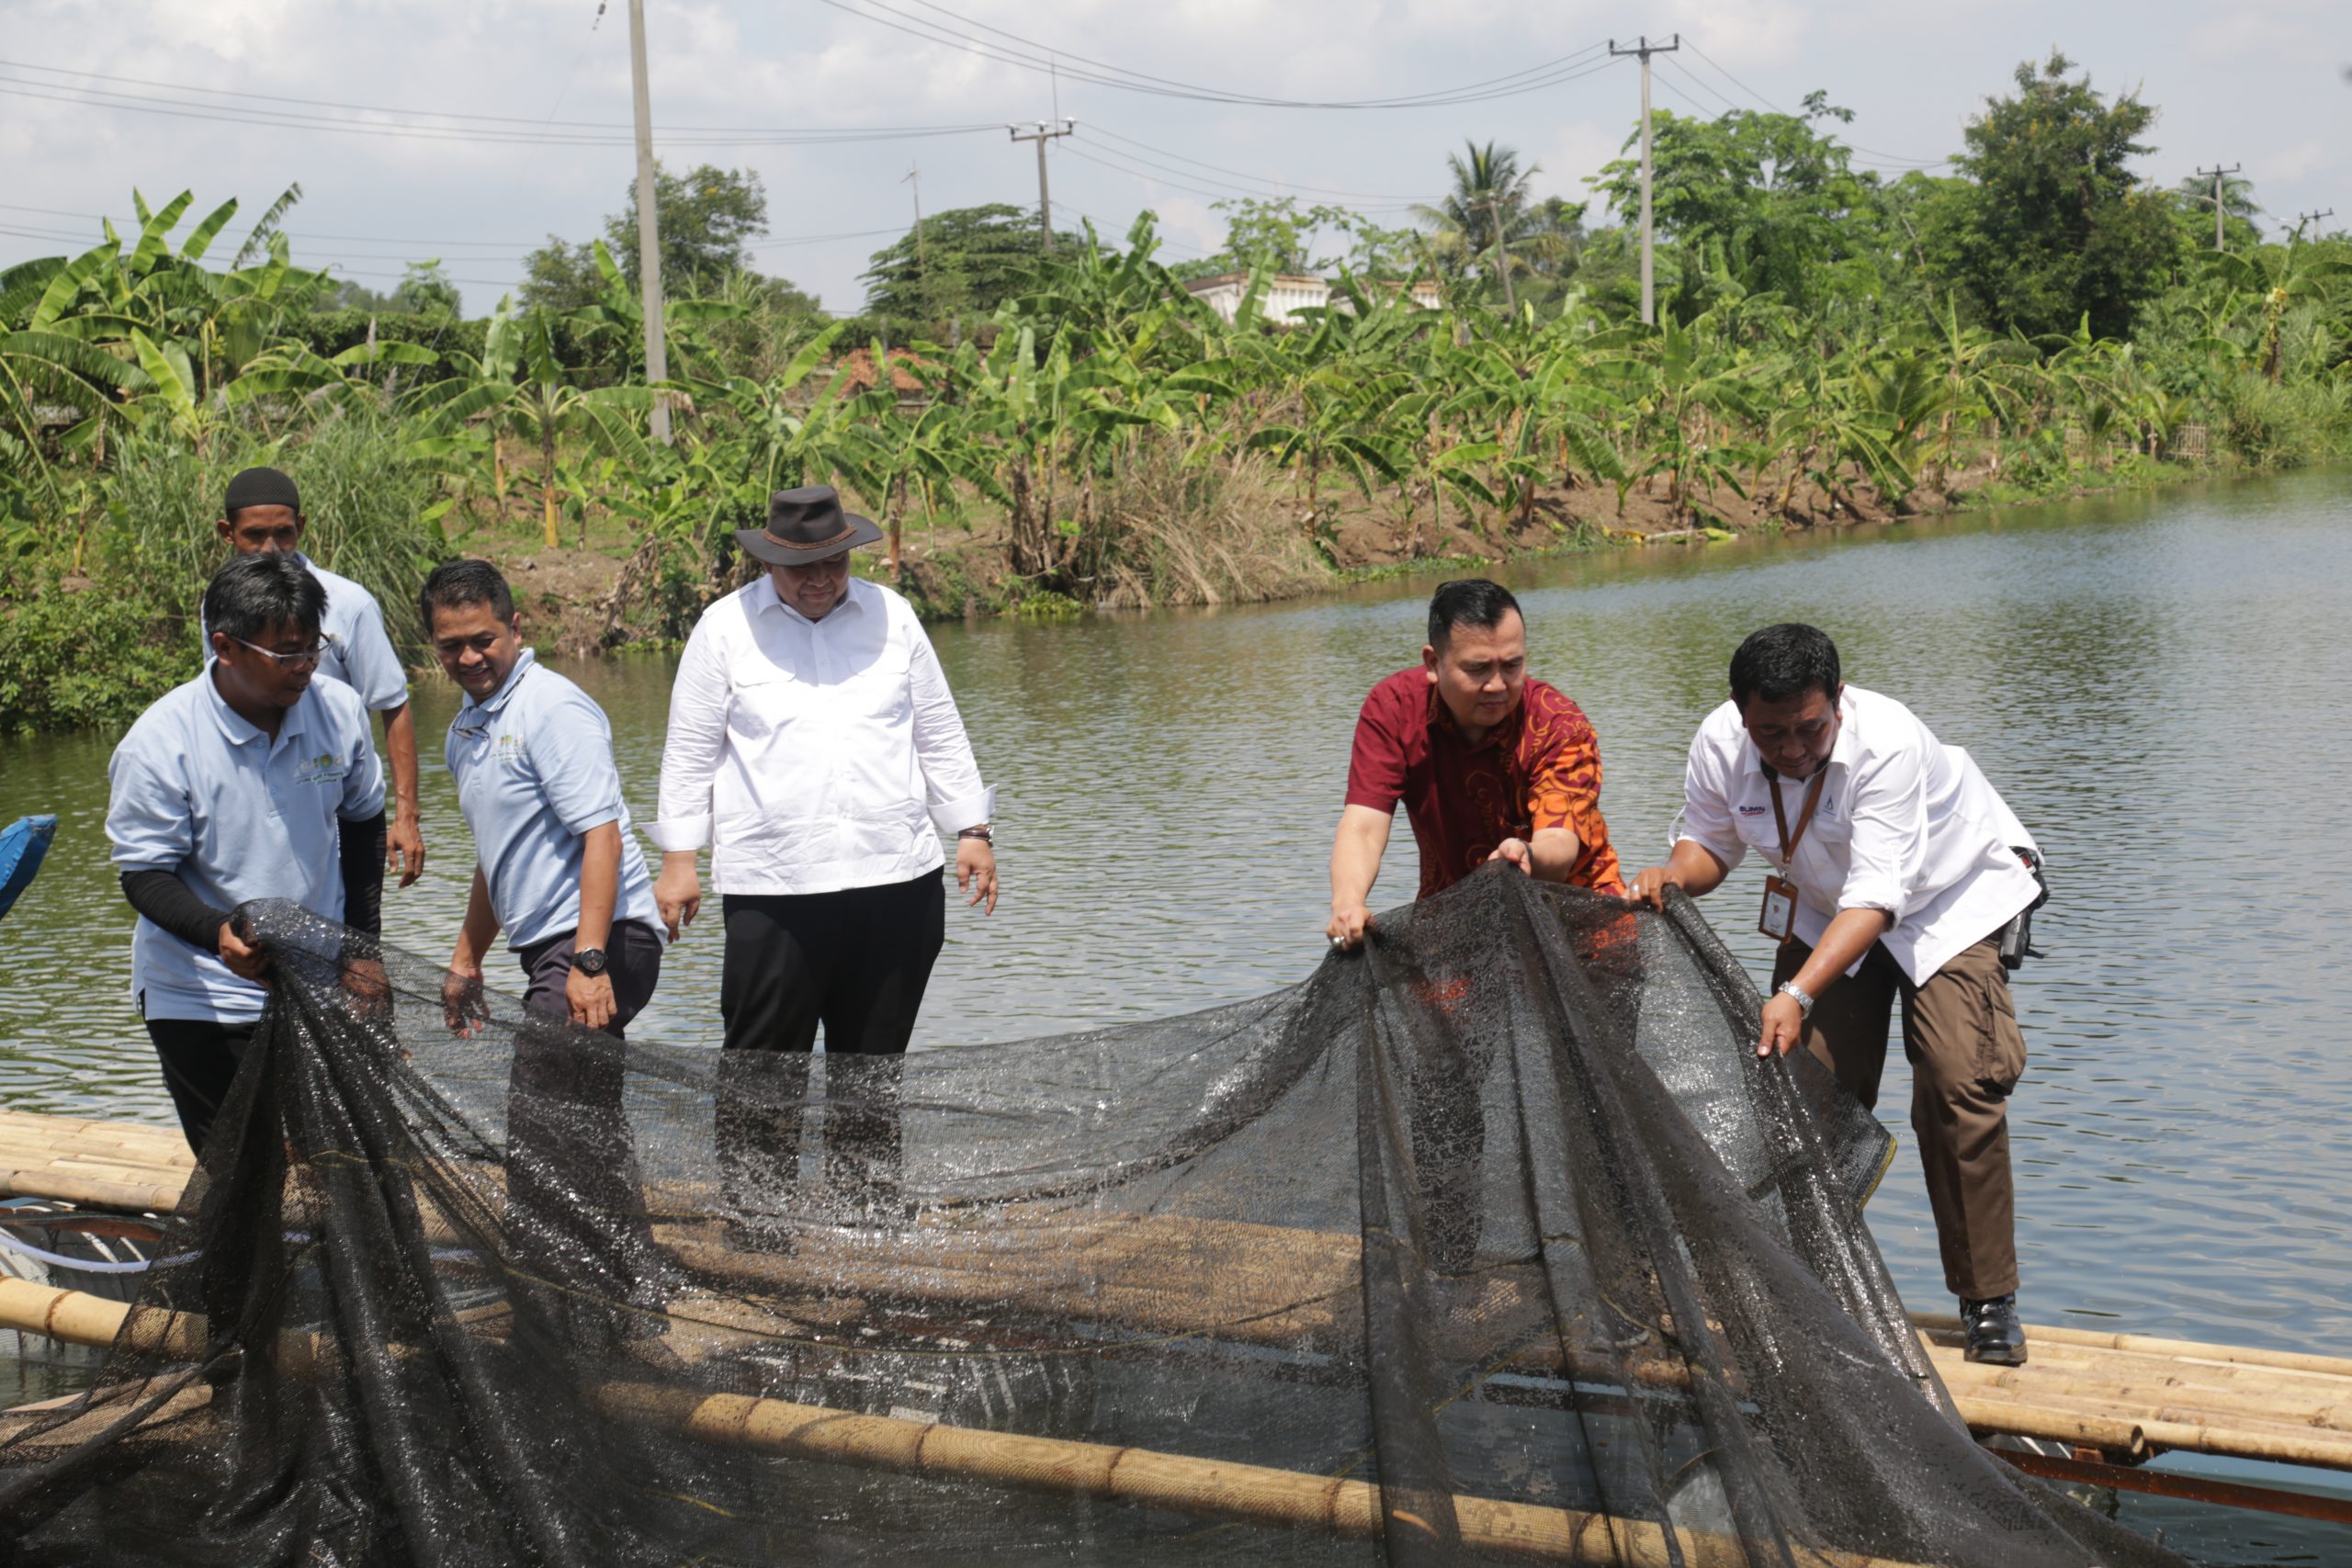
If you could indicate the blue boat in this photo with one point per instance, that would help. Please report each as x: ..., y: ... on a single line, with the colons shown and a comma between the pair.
x: 22, y: 844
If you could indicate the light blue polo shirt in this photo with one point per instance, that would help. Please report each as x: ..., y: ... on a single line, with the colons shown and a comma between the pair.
x: 199, y: 792
x: 534, y: 767
x: 358, y: 651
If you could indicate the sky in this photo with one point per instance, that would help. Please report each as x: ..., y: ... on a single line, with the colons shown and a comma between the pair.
x: 469, y: 131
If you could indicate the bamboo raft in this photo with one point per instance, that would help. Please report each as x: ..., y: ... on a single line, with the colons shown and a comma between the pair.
x: 2116, y: 1398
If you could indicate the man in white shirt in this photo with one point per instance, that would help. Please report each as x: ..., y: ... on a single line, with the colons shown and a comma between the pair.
x: 814, y: 745
x: 262, y: 513
x: 1898, y: 866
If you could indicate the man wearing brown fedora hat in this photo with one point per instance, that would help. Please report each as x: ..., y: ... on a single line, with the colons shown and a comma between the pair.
x: 814, y: 746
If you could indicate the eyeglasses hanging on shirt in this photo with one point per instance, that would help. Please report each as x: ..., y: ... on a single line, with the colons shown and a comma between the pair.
x: 1778, y: 919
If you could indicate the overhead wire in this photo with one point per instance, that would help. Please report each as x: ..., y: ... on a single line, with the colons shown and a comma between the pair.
x: 1563, y: 69
x: 1056, y: 55
x: 488, y: 130
x: 1098, y: 128
x: 1227, y: 189
x: 1892, y: 158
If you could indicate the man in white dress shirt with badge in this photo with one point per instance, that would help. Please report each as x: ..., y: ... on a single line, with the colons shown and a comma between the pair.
x: 262, y: 515
x: 251, y: 781
x: 815, y: 747
x: 1897, y: 868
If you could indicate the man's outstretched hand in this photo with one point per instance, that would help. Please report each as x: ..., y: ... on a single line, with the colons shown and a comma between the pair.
x: 1347, y: 926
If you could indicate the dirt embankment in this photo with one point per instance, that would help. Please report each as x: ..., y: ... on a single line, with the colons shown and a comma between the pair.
x: 586, y: 602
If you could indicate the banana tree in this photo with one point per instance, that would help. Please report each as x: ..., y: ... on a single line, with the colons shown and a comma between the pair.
x: 543, y: 404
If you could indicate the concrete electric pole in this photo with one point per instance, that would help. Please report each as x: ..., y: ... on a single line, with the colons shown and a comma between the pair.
x: 1644, y: 49
x: 2217, y: 172
x: 649, y: 223
x: 1043, y: 134
x: 2304, y: 218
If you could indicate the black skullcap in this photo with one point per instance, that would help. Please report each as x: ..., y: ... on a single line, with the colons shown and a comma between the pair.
x: 261, y: 486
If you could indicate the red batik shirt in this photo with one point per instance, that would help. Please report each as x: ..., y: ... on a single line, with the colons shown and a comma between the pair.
x: 1540, y: 768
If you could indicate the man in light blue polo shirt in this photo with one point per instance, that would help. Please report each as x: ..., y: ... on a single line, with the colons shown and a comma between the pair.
x: 262, y: 513
x: 251, y: 781
x: 556, y: 864
x: 558, y: 868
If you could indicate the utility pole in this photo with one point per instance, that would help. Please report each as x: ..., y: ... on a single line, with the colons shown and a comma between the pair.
x: 913, y: 176
x: 1644, y: 49
x: 649, y: 223
x: 1044, y: 133
x: 2220, y: 242
x: 2304, y: 218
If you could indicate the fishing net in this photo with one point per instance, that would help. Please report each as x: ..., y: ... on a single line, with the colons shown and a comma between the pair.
x: 1492, y: 1243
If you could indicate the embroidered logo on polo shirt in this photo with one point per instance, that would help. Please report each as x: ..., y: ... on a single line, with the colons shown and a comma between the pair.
x: 1751, y: 811
x: 324, y: 768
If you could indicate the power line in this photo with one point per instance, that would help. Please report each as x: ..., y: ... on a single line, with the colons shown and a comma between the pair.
x: 1112, y: 158
x: 1287, y: 186
x: 1056, y: 55
x: 1892, y: 158
x: 490, y: 130
x: 1136, y: 82
x: 622, y: 127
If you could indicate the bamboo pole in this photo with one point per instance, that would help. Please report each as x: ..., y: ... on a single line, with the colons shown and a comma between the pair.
x: 2148, y: 1396
x: 1996, y: 1417
x: 1279, y: 1286
x: 1201, y: 1488
x: 2148, y: 1345
x: 1180, y: 1484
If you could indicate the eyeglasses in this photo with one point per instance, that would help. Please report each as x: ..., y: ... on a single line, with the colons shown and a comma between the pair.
x: 309, y: 655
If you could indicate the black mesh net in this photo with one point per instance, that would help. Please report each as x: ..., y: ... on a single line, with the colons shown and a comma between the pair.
x: 1493, y: 1242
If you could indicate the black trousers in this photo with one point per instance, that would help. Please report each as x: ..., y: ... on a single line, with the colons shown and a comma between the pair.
x: 856, y: 962
x: 633, y: 954
x: 201, y: 1060
x: 575, y: 1210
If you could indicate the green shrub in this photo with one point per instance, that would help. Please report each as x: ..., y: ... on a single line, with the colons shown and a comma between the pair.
x: 89, y: 659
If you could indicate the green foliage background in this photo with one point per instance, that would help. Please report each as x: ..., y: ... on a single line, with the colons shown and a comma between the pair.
x: 1084, y: 430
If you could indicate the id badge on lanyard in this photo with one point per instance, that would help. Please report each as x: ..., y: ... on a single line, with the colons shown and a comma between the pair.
x: 1778, y: 918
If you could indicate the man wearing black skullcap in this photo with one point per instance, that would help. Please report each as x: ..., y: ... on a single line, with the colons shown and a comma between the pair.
x: 262, y: 515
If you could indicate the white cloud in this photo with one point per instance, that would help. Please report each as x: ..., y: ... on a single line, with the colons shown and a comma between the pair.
x: 1912, y: 72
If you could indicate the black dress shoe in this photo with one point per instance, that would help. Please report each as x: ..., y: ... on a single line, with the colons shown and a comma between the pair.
x: 1994, y: 1335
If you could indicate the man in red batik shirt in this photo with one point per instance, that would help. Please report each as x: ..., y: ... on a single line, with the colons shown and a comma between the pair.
x: 1489, y: 764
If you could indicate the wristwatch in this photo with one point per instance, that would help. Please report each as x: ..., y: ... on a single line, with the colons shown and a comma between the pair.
x: 589, y: 961
x: 1795, y: 993
x: 984, y: 833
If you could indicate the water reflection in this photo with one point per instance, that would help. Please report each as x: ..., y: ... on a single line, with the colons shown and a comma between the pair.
x: 2160, y: 687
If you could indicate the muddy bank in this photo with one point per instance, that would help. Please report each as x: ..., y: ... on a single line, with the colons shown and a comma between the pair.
x: 587, y: 602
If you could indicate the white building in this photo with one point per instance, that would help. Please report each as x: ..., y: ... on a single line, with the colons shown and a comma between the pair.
x: 1287, y: 294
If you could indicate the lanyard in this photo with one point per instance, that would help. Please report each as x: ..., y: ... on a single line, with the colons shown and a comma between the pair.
x: 1788, y: 842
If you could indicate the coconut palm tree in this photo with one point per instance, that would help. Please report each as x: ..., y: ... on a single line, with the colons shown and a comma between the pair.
x: 1490, y: 211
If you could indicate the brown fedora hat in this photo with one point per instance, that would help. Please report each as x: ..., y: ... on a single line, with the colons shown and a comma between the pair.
x: 804, y: 525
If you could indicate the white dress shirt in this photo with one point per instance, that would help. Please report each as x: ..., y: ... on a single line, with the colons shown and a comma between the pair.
x: 1906, y: 824
x: 814, y: 756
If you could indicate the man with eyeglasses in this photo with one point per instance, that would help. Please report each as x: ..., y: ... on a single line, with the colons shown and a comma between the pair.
x: 261, y: 515
x: 251, y: 781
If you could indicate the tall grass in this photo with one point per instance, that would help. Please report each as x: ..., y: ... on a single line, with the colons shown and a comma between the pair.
x: 367, y: 502
x: 1188, y: 527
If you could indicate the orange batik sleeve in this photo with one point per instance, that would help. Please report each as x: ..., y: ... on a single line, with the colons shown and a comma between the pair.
x: 1563, y: 758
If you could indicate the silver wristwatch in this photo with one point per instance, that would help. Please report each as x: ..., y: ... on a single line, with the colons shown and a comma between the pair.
x: 1791, y: 990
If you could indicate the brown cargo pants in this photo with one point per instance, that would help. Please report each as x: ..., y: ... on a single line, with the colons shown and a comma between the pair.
x: 1959, y: 1035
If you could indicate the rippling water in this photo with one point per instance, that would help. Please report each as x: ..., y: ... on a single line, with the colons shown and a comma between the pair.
x: 2160, y: 686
